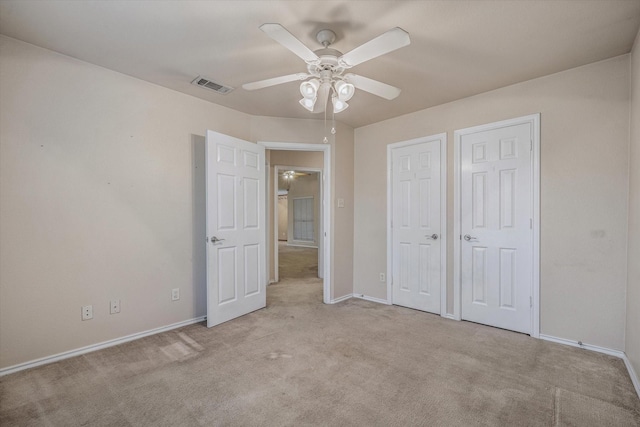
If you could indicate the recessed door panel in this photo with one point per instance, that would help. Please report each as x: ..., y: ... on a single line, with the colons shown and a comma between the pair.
x: 479, y: 199
x: 507, y: 278
x: 405, y: 204
x: 507, y: 198
x: 251, y: 269
x: 227, y: 278
x: 251, y: 190
x: 479, y: 275
x: 405, y: 266
x: 227, y: 210
x: 424, y: 276
x: 424, y: 203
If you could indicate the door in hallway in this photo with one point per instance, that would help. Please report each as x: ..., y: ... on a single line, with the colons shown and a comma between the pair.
x: 236, y: 276
x: 416, y: 225
x: 497, y: 226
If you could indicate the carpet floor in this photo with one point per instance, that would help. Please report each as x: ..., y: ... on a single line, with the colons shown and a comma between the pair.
x: 301, y: 362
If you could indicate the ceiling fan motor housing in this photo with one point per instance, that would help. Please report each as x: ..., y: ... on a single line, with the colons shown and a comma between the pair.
x: 326, y: 37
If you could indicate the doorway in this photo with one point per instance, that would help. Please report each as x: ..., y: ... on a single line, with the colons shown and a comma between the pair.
x: 324, y: 240
x: 298, y: 218
x: 497, y: 223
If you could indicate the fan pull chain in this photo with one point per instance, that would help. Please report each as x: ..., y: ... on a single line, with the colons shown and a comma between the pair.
x: 325, y: 140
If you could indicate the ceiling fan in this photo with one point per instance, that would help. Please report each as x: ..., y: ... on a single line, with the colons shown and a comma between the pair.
x: 326, y: 66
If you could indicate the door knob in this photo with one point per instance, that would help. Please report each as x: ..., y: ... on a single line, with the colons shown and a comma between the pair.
x: 433, y: 236
x: 469, y: 238
x: 214, y: 239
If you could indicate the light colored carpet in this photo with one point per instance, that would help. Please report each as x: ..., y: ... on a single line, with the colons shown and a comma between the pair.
x: 300, y: 362
x: 297, y: 261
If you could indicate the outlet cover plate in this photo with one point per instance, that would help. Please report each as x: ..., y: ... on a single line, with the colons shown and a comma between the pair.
x: 87, y: 312
x: 175, y: 294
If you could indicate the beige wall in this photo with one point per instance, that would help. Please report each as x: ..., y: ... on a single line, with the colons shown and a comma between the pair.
x: 99, y: 180
x: 283, y: 216
x: 632, y: 336
x: 584, y: 189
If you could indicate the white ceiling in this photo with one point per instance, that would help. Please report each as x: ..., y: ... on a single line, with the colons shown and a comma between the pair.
x: 458, y: 48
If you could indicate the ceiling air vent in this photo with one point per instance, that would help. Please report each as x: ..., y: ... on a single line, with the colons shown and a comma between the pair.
x: 206, y: 83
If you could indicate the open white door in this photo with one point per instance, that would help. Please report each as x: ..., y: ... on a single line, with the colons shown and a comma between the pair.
x: 236, y: 273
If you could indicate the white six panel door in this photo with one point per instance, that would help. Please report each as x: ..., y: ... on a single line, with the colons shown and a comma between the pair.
x: 416, y: 223
x: 496, y: 226
x: 235, y: 228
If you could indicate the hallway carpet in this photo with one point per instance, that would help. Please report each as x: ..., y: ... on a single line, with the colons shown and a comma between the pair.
x: 300, y: 362
x: 297, y: 261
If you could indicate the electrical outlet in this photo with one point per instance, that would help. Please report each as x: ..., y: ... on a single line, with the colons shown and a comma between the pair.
x: 175, y: 294
x: 382, y: 277
x: 87, y: 312
x: 114, y: 307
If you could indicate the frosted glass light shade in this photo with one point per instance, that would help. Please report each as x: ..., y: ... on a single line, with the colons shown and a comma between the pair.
x: 308, y: 103
x: 309, y: 89
x: 338, y: 105
x: 344, y: 90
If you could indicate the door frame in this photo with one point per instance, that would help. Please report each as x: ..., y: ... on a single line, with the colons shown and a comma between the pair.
x: 326, y: 205
x: 534, y: 121
x: 442, y: 137
x: 276, y: 170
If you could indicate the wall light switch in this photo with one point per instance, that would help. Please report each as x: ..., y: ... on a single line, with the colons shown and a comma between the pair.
x: 341, y: 203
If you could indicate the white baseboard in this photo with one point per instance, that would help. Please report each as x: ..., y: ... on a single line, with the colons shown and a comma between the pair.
x: 342, y: 298
x: 609, y: 351
x: 449, y: 316
x: 372, y: 299
x: 95, y: 347
x: 632, y: 373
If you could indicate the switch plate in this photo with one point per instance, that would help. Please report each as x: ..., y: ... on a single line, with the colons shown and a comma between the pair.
x: 87, y: 312
x: 114, y: 307
x: 382, y: 277
x: 341, y: 203
x: 175, y: 294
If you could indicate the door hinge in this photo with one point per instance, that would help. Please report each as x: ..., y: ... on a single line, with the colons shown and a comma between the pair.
x: 531, y: 145
x: 530, y: 302
x: 530, y: 223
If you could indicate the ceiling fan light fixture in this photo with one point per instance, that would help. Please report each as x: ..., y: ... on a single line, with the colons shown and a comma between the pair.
x: 338, y: 104
x: 309, y: 89
x: 308, y: 103
x: 344, y: 90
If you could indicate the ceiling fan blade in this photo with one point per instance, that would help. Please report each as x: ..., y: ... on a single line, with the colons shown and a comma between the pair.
x: 375, y: 87
x: 288, y: 40
x: 384, y: 43
x: 274, y: 81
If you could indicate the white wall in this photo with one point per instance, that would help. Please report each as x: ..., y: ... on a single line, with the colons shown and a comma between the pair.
x: 632, y: 336
x: 98, y: 179
x: 584, y: 189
